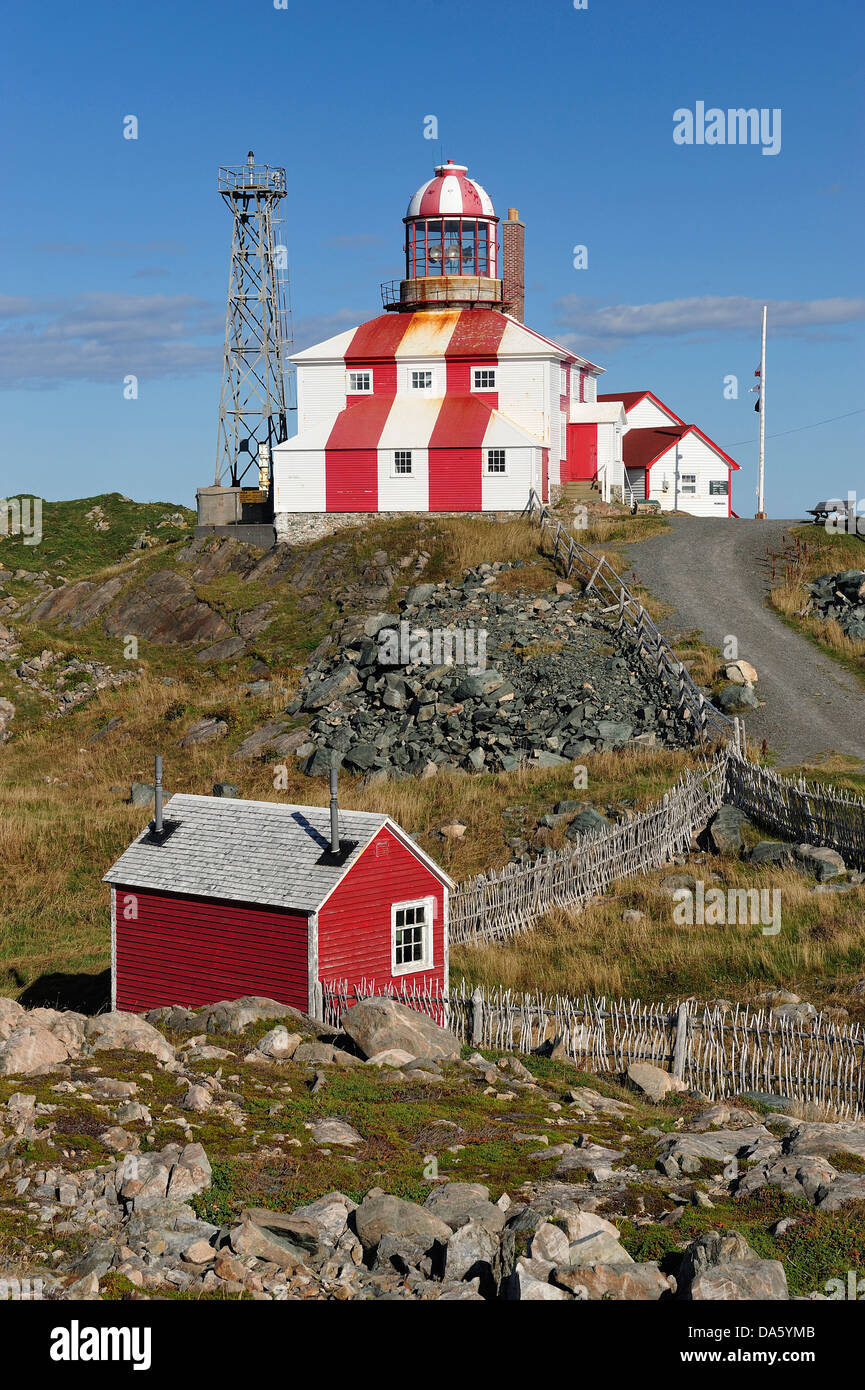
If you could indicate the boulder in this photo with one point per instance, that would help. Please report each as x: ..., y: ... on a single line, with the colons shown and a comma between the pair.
x: 457, y: 1203
x: 279, y: 1043
x: 725, y: 830
x: 204, y: 731
x: 652, y: 1081
x: 722, y: 1266
x: 127, y: 1033
x: 473, y: 1252
x: 380, y: 1214
x: 741, y: 673
x: 375, y: 1025
x: 820, y: 862
x: 735, y: 698
x: 628, y: 1283
x: 334, y: 1131
x: 31, y: 1050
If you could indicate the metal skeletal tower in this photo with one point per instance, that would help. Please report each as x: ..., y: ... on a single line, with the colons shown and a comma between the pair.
x: 253, y: 405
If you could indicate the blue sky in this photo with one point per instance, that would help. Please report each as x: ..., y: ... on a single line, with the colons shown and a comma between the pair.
x: 115, y: 252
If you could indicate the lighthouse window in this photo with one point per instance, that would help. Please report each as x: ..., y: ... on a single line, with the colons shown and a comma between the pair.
x: 495, y: 461
x: 411, y: 946
x: 484, y: 379
x: 402, y: 462
x: 421, y: 381
x: 359, y: 383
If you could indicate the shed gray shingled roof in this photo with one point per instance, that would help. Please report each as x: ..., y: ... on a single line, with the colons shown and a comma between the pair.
x: 251, y: 851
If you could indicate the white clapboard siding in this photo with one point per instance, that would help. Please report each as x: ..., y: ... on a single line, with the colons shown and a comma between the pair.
x: 507, y: 492
x: 320, y: 394
x: 298, y: 480
x: 645, y: 415
x: 689, y: 455
x: 403, y: 492
x: 524, y: 394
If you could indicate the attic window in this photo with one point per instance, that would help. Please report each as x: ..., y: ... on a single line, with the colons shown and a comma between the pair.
x: 382, y: 849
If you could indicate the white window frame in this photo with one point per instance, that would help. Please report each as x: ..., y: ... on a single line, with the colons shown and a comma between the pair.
x: 354, y: 390
x: 428, y: 386
x: 489, y: 371
x: 426, y: 963
x: 495, y: 472
x: 688, y: 484
x: 394, y: 471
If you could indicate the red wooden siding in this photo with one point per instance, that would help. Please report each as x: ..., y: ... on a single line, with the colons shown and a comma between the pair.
x: 354, y: 925
x: 191, y: 951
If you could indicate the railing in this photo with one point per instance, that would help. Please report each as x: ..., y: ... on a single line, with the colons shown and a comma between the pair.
x: 691, y: 703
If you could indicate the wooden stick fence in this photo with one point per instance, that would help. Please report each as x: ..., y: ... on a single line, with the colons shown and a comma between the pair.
x: 597, y: 574
x: 721, y: 1051
x: 816, y: 815
x: 507, y: 901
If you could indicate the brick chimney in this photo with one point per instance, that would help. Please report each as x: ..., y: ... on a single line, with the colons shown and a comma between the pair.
x: 513, y: 265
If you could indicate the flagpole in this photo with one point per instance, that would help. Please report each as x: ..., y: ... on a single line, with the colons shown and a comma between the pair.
x: 761, y: 513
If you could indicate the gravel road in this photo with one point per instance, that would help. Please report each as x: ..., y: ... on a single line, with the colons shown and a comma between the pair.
x: 715, y: 574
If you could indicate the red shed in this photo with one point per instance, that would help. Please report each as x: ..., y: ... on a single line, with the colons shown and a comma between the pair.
x: 248, y: 897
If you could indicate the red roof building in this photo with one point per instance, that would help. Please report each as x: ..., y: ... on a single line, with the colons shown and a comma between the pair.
x: 448, y: 401
x: 237, y: 897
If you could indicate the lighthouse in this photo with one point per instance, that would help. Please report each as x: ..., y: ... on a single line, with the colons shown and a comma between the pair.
x: 451, y: 247
x: 449, y: 402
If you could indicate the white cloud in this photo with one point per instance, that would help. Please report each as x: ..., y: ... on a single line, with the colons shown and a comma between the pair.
x: 102, y: 337
x: 708, y: 314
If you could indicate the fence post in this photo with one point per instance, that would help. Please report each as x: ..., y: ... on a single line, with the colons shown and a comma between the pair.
x: 477, y: 1017
x: 680, y: 1050
x: 318, y: 1001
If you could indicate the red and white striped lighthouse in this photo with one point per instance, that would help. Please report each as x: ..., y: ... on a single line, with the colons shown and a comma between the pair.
x: 451, y: 251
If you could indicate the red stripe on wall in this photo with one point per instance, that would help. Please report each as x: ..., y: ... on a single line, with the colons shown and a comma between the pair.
x: 477, y: 335
x: 456, y: 455
x: 192, y: 951
x: 377, y: 339
x: 351, y: 455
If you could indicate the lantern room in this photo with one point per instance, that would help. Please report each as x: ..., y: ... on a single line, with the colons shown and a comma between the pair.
x: 451, y: 248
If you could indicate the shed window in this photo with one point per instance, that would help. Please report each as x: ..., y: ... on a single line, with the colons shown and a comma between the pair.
x: 359, y: 383
x: 496, y: 461
x: 484, y: 379
x: 402, y: 462
x: 411, y: 936
x: 421, y: 381
x: 688, y: 484
x: 719, y: 487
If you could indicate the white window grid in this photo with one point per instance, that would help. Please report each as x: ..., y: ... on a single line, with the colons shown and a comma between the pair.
x: 496, y: 461
x: 688, y: 484
x: 421, y: 380
x: 359, y: 383
x: 411, y: 936
x: 402, y: 463
x: 484, y: 379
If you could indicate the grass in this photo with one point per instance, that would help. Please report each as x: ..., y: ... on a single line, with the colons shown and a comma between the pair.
x: 71, y: 545
x: 811, y: 552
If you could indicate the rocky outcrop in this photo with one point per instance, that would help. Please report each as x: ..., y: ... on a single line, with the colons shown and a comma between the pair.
x: 840, y: 598
x: 163, y: 608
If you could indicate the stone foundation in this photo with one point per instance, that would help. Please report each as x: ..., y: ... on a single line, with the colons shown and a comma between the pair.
x: 297, y: 528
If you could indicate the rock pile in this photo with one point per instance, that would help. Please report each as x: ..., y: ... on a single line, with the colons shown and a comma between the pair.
x: 840, y: 597
x: 467, y: 677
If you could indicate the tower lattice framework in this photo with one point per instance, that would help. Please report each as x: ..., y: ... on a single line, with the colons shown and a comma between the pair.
x: 255, y: 397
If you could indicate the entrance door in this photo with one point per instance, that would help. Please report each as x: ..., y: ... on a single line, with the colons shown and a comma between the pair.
x: 582, y: 452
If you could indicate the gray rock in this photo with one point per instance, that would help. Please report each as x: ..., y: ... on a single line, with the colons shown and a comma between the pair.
x: 820, y: 862
x: 227, y: 789
x: 381, y: 1214
x: 376, y: 1025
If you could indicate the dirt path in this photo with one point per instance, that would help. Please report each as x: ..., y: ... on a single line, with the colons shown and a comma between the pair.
x: 715, y: 575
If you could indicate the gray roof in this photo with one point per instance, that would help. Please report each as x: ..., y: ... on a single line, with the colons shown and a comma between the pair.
x: 251, y: 851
